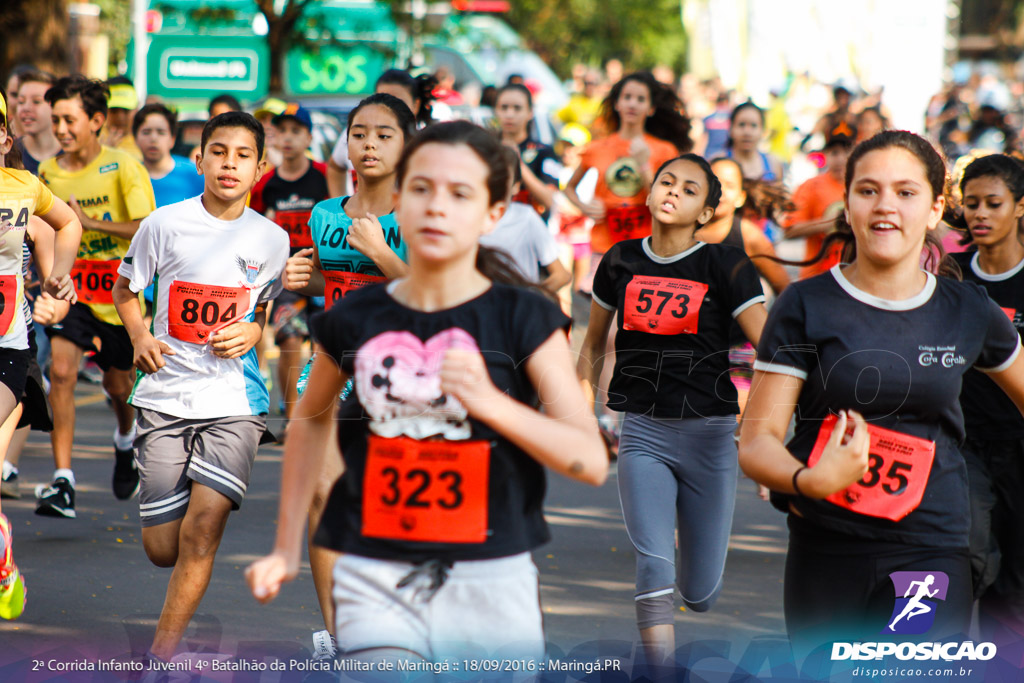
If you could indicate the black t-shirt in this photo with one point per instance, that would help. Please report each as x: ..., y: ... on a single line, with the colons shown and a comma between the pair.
x: 674, y: 315
x: 900, y: 364
x: 393, y: 354
x: 290, y: 202
x: 988, y: 411
x: 544, y: 163
x: 30, y: 163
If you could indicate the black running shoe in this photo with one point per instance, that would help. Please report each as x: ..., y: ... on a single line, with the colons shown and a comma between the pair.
x: 57, y: 500
x: 126, y: 474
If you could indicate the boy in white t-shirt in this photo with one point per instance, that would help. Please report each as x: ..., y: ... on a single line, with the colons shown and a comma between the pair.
x: 202, y: 402
x: 525, y: 238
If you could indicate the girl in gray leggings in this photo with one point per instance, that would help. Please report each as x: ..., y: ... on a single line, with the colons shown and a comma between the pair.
x: 673, y: 299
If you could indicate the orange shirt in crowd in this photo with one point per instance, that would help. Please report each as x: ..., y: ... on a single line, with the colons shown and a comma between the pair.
x: 620, y: 187
x: 818, y: 198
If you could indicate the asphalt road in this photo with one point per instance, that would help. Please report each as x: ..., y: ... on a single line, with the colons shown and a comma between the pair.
x: 93, y: 596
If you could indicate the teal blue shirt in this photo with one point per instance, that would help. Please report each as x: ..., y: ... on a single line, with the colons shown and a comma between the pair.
x: 329, y: 226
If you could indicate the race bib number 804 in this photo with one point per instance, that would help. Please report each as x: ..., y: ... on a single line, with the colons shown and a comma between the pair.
x: 196, y: 311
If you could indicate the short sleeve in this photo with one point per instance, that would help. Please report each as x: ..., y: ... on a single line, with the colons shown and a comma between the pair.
x: 604, y: 294
x: 536, y: 319
x: 140, y: 263
x: 316, y: 221
x: 137, y: 188
x: 744, y: 284
x: 784, y: 346
x: 1002, y: 342
x: 334, y: 331
x: 272, y: 290
x: 44, y: 198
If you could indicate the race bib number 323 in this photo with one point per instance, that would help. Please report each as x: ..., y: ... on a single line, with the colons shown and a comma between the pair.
x: 195, y: 311
x: 432, y: 491
x: 662, y: 305
x: 898, y: 469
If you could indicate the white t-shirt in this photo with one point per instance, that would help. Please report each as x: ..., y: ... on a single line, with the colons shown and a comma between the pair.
x: 208, y: 273
x: 522, y: 234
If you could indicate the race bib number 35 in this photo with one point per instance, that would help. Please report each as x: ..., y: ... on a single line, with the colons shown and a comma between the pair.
x: 195, y: 311
x: 628, y: 222
x: 337, y: 284
x: 8, y: 300
x: 94, y: 280
x: 662, y: 305
x: 296, y: 224
x: 432, y: 491
x: 898, y: 469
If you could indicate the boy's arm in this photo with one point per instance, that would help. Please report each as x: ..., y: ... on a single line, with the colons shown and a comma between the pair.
x: 149, y: 351
x: 238, y: 338
x: 125, y: 230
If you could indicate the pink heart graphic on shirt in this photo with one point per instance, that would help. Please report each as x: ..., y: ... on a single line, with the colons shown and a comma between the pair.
x: 398, y: 382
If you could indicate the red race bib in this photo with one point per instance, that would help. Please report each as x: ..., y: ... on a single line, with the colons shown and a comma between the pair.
x: 94, y: 280
x: 432, y: 491
x: 1010, y: 313
x: 296, y: 224
x: 628, y: 222
x: 195, y: 311
x: 663, y: 305
x: 898, y: 470
x: 337, y: 284
x: 8, y: 300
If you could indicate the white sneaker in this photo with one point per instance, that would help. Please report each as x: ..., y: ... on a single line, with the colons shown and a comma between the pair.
x: 325, y: 647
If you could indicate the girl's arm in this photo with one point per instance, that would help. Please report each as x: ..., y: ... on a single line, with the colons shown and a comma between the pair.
x: 751, y: 321
x: 594, y: 208
x: 46, y: 310
x: 367, y: 236
x: 1011, y: 381
x: 308, y: 434
x: 764, y: 458
x: 563, y: 438
x: 591, y: 360
x: 63, y: 220
x: 758, y: 244
x: 539, y: 190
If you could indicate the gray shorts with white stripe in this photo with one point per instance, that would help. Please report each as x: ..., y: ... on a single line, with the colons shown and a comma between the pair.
x: 172, y: 452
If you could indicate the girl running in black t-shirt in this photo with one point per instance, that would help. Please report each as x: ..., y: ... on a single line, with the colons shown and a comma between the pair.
x: 674, y: 299
x: 993, y: 204
x: 442, y: 496
x: 869, y: 358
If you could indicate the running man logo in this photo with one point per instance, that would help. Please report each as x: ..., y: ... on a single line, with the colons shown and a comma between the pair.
x: 916, y: 596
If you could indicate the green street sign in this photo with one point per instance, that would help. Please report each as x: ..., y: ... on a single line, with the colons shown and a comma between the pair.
x: 335, y: 71
x: 201, y: 66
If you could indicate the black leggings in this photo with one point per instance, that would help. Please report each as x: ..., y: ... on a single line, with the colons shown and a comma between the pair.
x: 838, y: 587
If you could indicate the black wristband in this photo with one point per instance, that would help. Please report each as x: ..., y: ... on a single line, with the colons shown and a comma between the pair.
x: 796, y: 474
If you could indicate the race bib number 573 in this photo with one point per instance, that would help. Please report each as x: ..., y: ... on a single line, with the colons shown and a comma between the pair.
x: 898, y: 469
x: 663, y: 305
x: 196, y: 311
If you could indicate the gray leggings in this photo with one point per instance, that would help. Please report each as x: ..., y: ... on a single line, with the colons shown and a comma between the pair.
x: 681, y: 470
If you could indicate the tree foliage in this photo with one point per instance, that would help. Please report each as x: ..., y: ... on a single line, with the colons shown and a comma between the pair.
x: 564, y: 32
x: 281, y: 34
x: 35, y: 32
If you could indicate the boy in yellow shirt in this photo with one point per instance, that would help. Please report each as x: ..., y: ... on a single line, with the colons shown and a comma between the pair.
x: 111, y: 193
